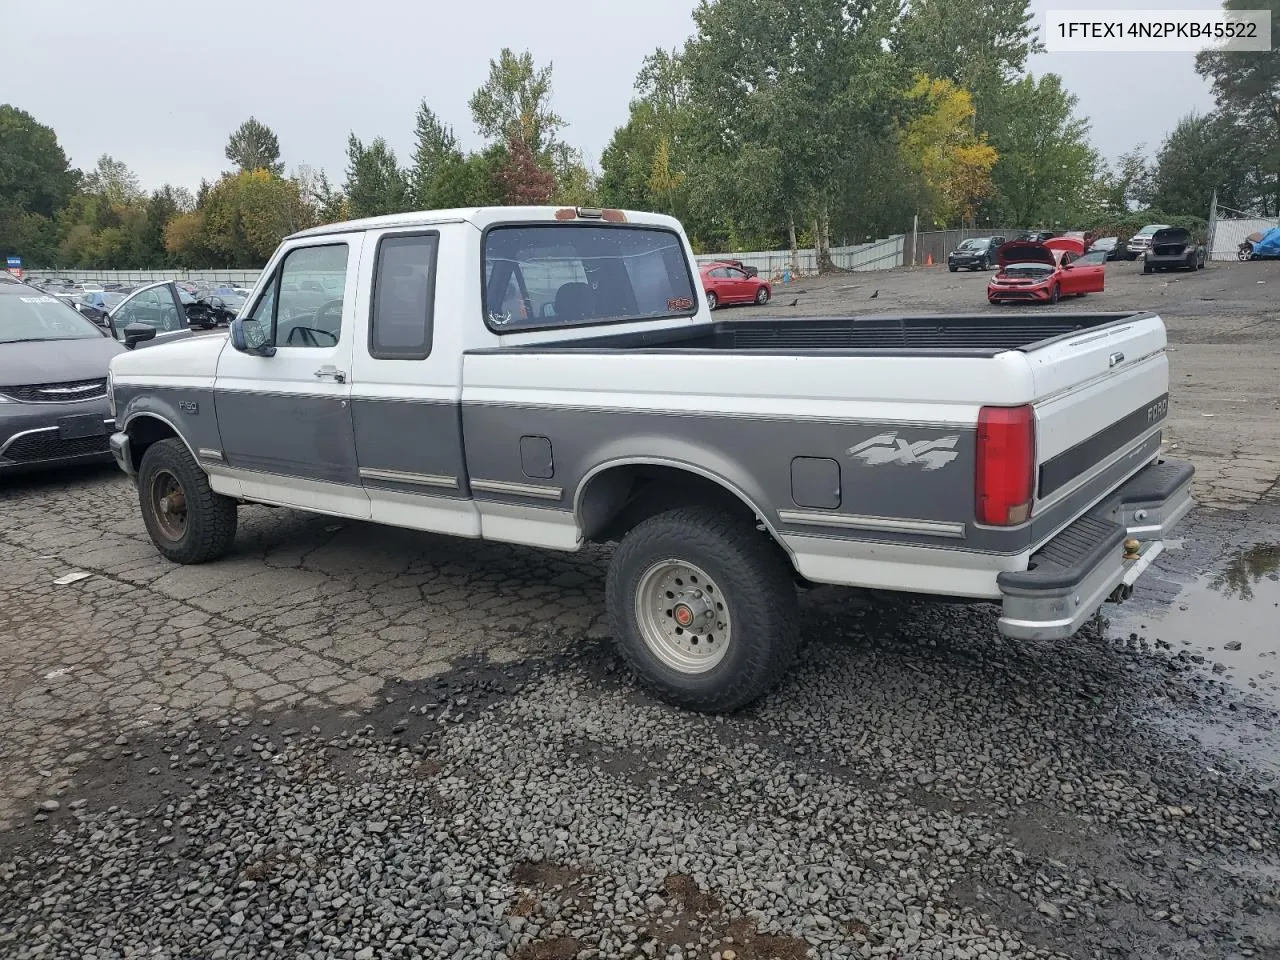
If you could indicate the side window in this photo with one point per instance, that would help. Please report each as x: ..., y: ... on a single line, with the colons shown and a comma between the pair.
x: 153, y: 307
x: 720, y: 273
x: 308, y: 297
x: 404, y: 282
x: 266, y: 308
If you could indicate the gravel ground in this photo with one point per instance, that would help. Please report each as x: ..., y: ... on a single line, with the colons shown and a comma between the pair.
x: 919, y: 788
x: 351, y: 742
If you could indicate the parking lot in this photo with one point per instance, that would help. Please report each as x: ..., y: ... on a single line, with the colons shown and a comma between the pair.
x: 353, y: 741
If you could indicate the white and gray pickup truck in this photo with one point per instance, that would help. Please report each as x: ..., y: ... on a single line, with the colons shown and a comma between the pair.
x: 553, y: 377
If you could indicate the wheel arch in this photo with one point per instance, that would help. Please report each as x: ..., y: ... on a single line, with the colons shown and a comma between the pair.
x: 605, y: 498
x: 147, y: 427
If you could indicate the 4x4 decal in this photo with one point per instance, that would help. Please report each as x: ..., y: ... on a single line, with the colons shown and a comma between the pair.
x: 887, y: 448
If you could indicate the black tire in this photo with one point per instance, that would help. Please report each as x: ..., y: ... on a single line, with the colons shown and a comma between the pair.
x: 757, y: 583
x: 1146, y: 268
x: 712, y: 300
x: 762, y: 296
x: 952, y: 267
x: 984, y: 264
x: 1055, y: 294
x: 208, y: 526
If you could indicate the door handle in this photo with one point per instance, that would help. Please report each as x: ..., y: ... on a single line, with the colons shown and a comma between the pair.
x: 1112, y: 360
x: 331, y: 373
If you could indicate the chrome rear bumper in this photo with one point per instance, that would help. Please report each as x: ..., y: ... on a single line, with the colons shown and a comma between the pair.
x: 1072, y: 575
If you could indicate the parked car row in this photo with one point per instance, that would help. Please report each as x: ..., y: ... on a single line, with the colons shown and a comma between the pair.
x: 1042, y: 266
x: 205, y: 306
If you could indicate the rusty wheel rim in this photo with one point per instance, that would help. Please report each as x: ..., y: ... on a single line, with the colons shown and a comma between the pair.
x: 169, y: 505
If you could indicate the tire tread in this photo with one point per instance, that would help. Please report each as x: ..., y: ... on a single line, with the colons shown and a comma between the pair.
x: 759, y: 573
x: 214, y: 530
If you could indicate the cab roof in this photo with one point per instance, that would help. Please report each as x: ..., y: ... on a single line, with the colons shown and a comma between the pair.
x: 484, y: 217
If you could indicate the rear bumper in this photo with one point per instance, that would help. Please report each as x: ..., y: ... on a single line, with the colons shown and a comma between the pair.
x: 1073, y: 574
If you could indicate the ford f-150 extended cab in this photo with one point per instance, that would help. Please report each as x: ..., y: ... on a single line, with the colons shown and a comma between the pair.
x: 553, y: 377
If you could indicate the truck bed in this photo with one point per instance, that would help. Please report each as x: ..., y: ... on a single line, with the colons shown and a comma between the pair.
x: 973, y: 335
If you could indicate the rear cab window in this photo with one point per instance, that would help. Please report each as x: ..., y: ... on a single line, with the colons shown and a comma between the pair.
x: 544, y: 276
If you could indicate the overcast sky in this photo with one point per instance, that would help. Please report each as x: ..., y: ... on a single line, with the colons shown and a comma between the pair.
x: 160, y: 84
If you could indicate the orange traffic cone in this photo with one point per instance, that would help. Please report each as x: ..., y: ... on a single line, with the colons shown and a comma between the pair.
x: 929, y: 261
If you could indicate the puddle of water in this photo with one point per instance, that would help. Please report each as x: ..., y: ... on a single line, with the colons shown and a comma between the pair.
x: 1230, y: 617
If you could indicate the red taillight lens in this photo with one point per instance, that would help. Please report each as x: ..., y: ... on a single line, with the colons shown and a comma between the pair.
x: 1006, y: 465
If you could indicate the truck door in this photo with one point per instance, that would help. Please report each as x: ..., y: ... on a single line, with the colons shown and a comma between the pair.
x: 285, y: 419
x: 407, y: 378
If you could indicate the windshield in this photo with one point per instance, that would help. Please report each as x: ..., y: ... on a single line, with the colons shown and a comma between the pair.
x: 545, y: 275
x: 973, y: 245
x: 233, y: 300
x: 41, y: 317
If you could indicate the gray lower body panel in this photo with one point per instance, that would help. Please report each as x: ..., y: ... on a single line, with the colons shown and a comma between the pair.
x: 1073, y: 574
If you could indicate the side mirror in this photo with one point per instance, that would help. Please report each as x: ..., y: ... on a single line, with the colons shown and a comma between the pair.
x: 136, y: 333
x: 249, y: 337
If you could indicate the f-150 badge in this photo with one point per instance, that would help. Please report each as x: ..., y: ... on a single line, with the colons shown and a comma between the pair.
x: 887, y: 448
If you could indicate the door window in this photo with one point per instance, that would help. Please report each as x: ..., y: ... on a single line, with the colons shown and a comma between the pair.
x: 303, y: 305
x: 154, y: 307
x: 403, y: 297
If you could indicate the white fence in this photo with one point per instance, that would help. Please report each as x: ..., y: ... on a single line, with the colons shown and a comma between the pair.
x: 243, y: 278
x: 1229, y: 234
x: 877, y: 255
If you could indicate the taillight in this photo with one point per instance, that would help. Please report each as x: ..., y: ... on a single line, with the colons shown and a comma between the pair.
x: 1006, y: 465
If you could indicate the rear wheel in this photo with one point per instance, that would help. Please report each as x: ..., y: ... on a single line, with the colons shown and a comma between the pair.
x: 712, y: 300
x: 703, y: 607
x: 762, y: 296
x: 187, y: 521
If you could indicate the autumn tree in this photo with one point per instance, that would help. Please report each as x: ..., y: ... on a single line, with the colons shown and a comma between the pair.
x: 522, y: 181
x: 515, y: 103
x: 939, y: 143
x: 254, y: 146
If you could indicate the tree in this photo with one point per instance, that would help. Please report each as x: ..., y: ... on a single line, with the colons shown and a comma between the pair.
x: 941, y: 147
x: 246, y: 215
x: 434, y: 141
x: 35, y: 176
x: 759, y: 71
x: 575, y: 184
x: 522, y: 181
x: 1247, y: 86
x: 980, y: 45
x: 254, y: 146
x: 471, y: 181
x: 113, y: 180
x: 1201, y: 155
x: 184, y: 240
x: 515, y: 103
x: 1047, y: 167
x: 658, y: 115
x: 375, y: 183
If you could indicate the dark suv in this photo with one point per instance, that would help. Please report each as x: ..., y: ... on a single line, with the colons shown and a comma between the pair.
x: 977, y: 253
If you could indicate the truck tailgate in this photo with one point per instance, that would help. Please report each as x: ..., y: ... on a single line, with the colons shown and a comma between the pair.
x: 1103, y: 396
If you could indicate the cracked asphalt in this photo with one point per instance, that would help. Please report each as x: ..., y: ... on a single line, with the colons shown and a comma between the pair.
x: 352, y: 741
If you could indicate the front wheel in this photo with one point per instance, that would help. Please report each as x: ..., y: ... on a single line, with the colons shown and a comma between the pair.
x: 1055, y: 294
x: 712, y: 300
x: 762, y: 296
x: 187, y: 521
x: 703, y: 608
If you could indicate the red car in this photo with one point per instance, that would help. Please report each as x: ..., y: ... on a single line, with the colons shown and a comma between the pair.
x: 1044, y: 272
x: 726, y: 284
